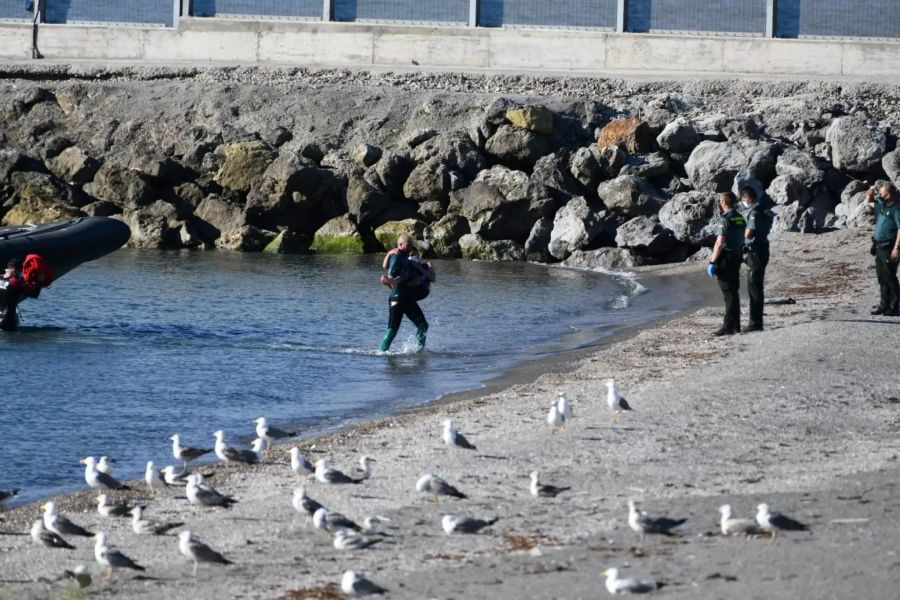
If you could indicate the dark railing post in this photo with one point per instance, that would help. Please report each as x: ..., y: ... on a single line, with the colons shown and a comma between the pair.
x: 622, y: 16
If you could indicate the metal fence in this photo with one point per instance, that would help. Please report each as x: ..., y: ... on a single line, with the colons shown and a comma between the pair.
x: 838, y: 18
x: 454, y: 12
x: 788, y: 19
x: 272, y: 9
x: 16, y: 10
x: 746, y: 17
x: 144, y: 12
x: 540, y: 13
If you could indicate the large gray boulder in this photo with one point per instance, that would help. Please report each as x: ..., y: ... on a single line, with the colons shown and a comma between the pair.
x: 38, y: 198
x: 393, y: 170
x: 365, y: 200
x: 607, y: 259
x: 585, y: 168
x: 648, y: 166
x: 366, y: 155
x: 475, y: 247
x: 341, y: 235
x: 444, y: 235
x: 428, y: 181
x: 537, y: 246
x: 630, y: 196
x: 787, y: 217
x: 891, y: 165
x: 242, y: 163
x: 857, y: 146
x: 73, y: 166
x: 492, y: 215
x: 691, y: 217
x: 802, y: 166
x: 853, y: 211
x: 220, y: 216
x: 457, y: 152
x: 125, y: 187
x: 680, y: 136
x: 10, y: 158
x: 551, y: 171
x: 645, y: 236
x: 518, y: 186
x: 787, y: 189
x: 712, y: 166
x: 156, y: 225
x: 517, y: 147
x: 576, y: 226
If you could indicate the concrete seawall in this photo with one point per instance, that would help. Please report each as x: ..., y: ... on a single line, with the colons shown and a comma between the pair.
x: 361, y: 45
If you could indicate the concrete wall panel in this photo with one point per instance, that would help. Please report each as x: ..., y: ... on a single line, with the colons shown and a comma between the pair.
x: 428, y: 47
x: 316, y: 45
x: 15, y: 41
x: 664, y: 53
x: 780, y: 57
x: 85, y: 41
x: 551, y: 50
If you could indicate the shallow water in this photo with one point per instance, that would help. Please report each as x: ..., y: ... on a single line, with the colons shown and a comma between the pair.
x: 125, y: 351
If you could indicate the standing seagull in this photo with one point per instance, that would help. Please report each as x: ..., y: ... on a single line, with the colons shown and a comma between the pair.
x: 98, y: 480
x: 434, y: 485
x: 452, y: 437
x: 60, y: 525
x: 326, y: 474
x: 614, y: 400
x: 564, y: 406
x: 186, y: 454
x: 204, y: 495
x: 453, y: 524
x: 555, y: 419
x: 111, y: 510
x: 299, y: 464
x: 732, y: 525
x: 198, y: 552
x: 142, y: 526
x: 364, y: 470
x: 627, y: 585
x: 229, y: 455
x: 354, y: 583
x: 173, y: 477
x: 643, y: 523
x: 152, y: 478
x: 304, y: 504
x: 268, y: 433
x: 774, y: 522
x: 41, y: 535
x: 332, y: 522
x: 349, y: 540
x: 540, y: 490
x: 111, y: 558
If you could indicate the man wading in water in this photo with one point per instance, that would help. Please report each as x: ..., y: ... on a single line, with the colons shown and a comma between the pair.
x: 405, y: 280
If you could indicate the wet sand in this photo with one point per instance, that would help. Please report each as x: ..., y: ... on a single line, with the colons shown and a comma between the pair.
x: 803, y: 416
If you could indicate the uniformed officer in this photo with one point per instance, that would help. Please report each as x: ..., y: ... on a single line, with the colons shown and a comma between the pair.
x: 725, y: 262
x: 886, y: 246
x: 756, y: 248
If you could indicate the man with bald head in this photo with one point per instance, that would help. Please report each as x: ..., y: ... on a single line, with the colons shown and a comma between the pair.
x: 401, y: 300
x: 886, y: 245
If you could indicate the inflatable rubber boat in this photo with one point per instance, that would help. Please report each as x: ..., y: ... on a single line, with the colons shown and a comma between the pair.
x: 58, y: 248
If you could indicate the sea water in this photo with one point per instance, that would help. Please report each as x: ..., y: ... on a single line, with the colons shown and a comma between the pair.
x: 123, y: 352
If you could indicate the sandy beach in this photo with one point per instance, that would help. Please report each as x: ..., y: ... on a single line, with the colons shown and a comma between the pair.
x: 802, y: 416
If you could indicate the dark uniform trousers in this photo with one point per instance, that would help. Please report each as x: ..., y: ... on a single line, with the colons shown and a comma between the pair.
x: 729, y: 276
x: 886, y: 269
x: 757, y: 260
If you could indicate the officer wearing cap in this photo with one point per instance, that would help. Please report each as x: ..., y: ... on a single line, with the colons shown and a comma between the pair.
x: 886, y: 246
x: 725, y: 262
x: 756, y: 248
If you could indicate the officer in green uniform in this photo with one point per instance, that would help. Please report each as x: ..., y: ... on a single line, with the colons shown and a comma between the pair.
x: 886, y: 246
x: 756, y: 249
x: 725, y: 262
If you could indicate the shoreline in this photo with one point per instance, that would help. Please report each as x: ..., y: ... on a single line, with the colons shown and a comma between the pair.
x: 705, y: 429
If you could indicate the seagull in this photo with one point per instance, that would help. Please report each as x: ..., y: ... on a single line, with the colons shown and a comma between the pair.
x: 555, y: 419
x: 6, y: 495
x: 44, y: 537
x: 326, y: 474
x: 111, y: 510
x: 59, y: 524
x: 453, y: 524
x: 142, y: 526
x: 348, y: 540
x: 732, y: 525
x: 81, y: 575
x: 541, y: 490
x: 434, y: 485
x: 774, y: 522
x: 304, y: 504
x: 228, y: 455
x: 370, y: 524
x: 111, y: 558
x: 643, y: 523
x: 98, y: 480
x: 204, y: 495
x: 627, y: 585
x: 364, y: 470
x: 151, y: 476
x: 173, y: 477
x: 103, y: 465
x: 452, y: 437
x: 331, y: 522
x: 614, y: 400
x: 198, y: 552
x: 299, y: 464
x: 564, y: 406
x: 186, y: 454
x: 354, y: 583
x: 268, y: 433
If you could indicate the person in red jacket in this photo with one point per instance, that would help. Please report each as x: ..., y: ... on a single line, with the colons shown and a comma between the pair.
x: 35, y: 275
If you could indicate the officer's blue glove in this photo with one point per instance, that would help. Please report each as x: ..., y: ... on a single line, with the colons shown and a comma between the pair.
x: 712, y: 269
